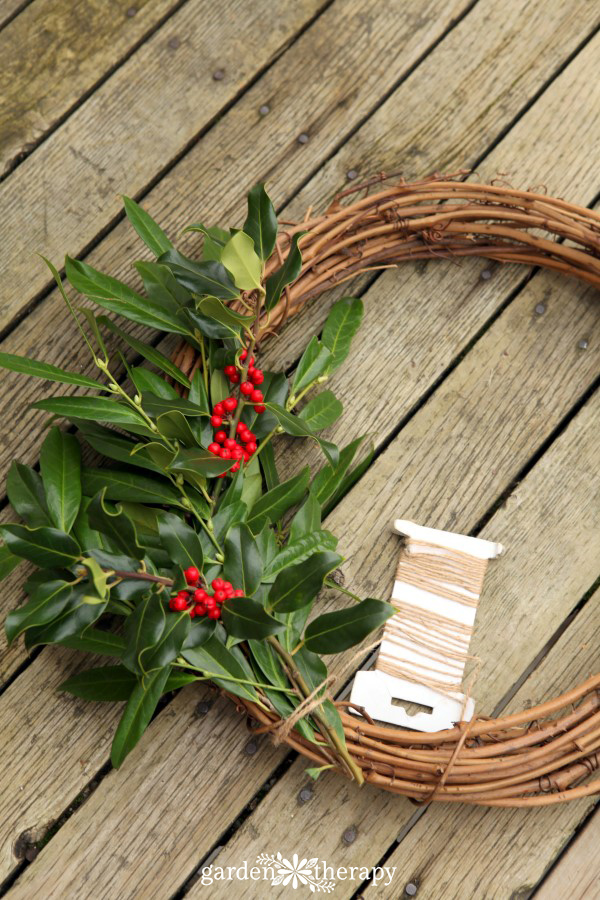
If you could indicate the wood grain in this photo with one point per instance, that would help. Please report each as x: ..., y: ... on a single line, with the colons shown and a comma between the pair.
x: 577, y: 874
x: 64, y: 345
x: 507, y: 850
x: 346, y: 94
x: 547, y: 525
x: 54, y: 53
x: 151, y: 108
x: 184, y: 854
x: 8, y: 9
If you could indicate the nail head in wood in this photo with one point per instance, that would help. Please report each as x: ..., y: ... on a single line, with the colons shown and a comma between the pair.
x: 174, y: 43
x: 540, y: 309
x: 131, y: 12
x: 583, y: 344
x: 251, y: 748
x: 411, y: 889
x: 264, y: 110
x: 219, y: 75
x: 350, y: 834
x: 305, y: 795
x: 303, y: 138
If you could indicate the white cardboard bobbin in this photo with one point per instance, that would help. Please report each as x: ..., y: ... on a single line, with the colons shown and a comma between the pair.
x: 375, y: 690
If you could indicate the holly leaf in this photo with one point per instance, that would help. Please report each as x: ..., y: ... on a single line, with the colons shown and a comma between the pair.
x: 245, y: 618
x: 25, y: 365
x: 307, y: 519
x: 241, y: 261
x: 149, y: 352
x: 60, y: 465
x: 180, y: 540
x: 138, y: 712
x: 83, y: 607
x: 223, y: 667
x: 48, y: 548
x: 208, y: 278
x: 321, y: 411
x: 298, y: 550
x: 98, y: 409
x: 200, y: 462
x: 313, y: 363
x: 342, y: 324
x: 243, y: 564
x: 113, y: 522
x: 26, y: 495
x: 298, y: 585
x: 286, y: 274
x: 46, y: 601
x: 8, y: 562
x: 118, y: 297
x: 297, y: 427
x: 261, y: 221
x: 272, y: 505
x: 151, y: 233
x: 336, y: 631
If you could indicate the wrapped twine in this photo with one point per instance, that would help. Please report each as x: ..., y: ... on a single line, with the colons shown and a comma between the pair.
x: 543, y: 755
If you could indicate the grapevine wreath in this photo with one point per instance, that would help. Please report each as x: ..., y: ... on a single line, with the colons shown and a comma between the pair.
x: 185, y: 558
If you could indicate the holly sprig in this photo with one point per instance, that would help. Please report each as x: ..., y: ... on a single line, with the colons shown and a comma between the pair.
x: 185, y: 557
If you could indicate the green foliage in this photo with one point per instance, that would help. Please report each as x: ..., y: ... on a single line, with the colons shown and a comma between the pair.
x: 111, y: 542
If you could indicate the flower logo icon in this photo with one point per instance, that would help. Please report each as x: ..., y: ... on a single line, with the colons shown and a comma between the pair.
x: 295, y: 872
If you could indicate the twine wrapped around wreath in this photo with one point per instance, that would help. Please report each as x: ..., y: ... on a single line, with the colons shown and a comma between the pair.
x: 540, y: 756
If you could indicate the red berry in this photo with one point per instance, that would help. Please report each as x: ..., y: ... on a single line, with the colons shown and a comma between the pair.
x: 214, y: 613
x: 200, y: 595
x: 227, y: 586
x: 237, y: 452
x: 200, y: 609
x: 230, y: 370
x: 192, y: 611
x: 250, y: 447
x: 259, y: 408
x: 179, y: 604
x: 219, y: 409
x: 217, y: 584
x: 214, y: 448
x: 257, y: 396
x: 243, y: 354
x: 251, y: 362
x: 248, y: 436
x: 257, y: 376
x: 230, y: 443
x: 191, y: 575
x: 220, y: 436
x: 222, y: 475
x: 234, y: 379
x: 241, y: 427
x: 246, y: 387
x: 235, y: 467
x: 238, y: 593
x: 220, y: 596
x: 230, y: 404
x: 246, y: 456
x: 216, y: 421
x: 224, y: 453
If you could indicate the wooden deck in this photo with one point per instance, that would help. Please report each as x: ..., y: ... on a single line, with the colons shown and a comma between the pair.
x: 479, y: 383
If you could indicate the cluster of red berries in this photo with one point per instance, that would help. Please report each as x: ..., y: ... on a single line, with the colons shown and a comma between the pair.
x: 229, y: 447
x: 199, y: 602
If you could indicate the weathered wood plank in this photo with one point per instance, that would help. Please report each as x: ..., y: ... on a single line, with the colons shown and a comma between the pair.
x: 207, y: 836
x: 196, y: 781
x: 549, y: 564
x: 346, y: 101
x: 54, y: 52
x: 577, y: 874
x: 361, y: 41
x: 10, y: 8
x: 87, y: 837
x: 150, y: 109
x: 507, y: 850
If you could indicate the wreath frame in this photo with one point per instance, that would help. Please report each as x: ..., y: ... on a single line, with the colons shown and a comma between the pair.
x: 543, y: 761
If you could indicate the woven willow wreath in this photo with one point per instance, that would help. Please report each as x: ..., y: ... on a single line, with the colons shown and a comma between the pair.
x: 533, y: 758
x: 189, y: 560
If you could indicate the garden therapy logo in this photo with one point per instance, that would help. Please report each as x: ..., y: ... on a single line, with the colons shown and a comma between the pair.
x: 314, y: 874
x: 295, y: 873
